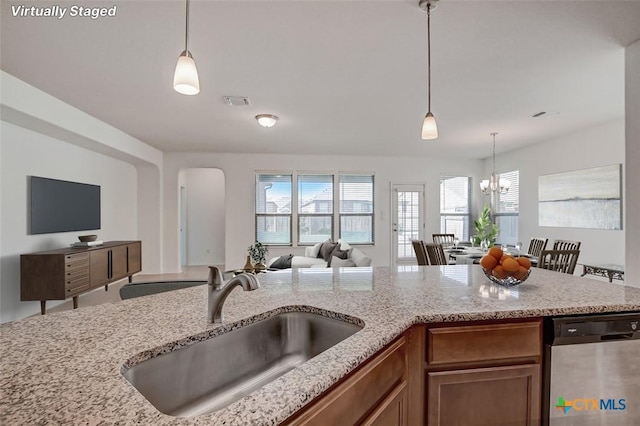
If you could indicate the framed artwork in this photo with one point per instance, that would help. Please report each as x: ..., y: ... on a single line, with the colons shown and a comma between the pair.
x: 587, y: 198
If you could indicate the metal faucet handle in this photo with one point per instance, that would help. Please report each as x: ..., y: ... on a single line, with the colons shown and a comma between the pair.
x: 219, y: 290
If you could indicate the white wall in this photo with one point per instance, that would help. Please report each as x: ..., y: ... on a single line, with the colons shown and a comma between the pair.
x: 30, y: 108
x: 239, y: 171
x: 94, y: 152
x: 25, y: 153
x: 596, y: 146
x: 632, y: 225
x: 205, y: 215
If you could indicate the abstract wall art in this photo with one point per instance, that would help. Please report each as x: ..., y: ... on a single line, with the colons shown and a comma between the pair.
x: 588, y: 198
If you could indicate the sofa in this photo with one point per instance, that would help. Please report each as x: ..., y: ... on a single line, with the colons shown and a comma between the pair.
x: 323, y: 255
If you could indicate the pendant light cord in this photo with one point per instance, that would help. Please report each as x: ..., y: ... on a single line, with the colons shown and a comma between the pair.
x: 429, y: 55
x: 186, y: 30
x: 493, y: 166
x: 494, y: 153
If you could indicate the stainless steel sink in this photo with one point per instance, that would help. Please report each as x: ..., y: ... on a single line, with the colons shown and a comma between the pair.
x: 213, y: 373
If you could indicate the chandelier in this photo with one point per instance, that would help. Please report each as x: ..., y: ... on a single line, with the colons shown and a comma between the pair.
x: 493, y: 184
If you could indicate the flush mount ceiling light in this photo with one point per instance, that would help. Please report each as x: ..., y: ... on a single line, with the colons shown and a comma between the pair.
x: 429, y: 127
x: 267, y: 120
x: 493, y: 184
x: 185, y: 79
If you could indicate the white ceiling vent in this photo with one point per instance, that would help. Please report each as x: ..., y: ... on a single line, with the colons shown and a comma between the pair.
x: 237, y: 101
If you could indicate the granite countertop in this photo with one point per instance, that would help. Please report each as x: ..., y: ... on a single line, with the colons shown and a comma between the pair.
x: 65, y: 368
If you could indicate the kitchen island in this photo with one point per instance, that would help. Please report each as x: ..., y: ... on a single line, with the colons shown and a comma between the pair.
x: 65, y: 368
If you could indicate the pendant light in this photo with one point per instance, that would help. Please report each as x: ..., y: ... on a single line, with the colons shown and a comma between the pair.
x: 429, y: 127
x: 493, y: 184
x: 185, y: 79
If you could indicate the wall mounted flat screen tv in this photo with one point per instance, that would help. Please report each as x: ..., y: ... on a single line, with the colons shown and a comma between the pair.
x: 62, y: 206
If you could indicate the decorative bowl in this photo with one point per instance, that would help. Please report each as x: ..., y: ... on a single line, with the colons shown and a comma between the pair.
x: 508, y: 281
x: 87, y: 238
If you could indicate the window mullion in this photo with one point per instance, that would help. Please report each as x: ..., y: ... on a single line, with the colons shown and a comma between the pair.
x: 337, y: 231
x: 295, y: 235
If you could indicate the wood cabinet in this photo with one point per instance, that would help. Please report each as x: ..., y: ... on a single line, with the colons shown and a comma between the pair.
x: 392, y: 411
x: 112, y: 264
x: 375, y: 394
x: 474, y: 373
x: 508, y: 395
x: 484, y: 374
x: 68, y: 272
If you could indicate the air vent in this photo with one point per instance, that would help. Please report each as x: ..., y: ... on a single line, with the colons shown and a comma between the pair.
x: 237, y: 101
x: 539, y: 114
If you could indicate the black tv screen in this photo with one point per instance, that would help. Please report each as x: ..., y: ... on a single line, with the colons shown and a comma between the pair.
x: 62, y: 206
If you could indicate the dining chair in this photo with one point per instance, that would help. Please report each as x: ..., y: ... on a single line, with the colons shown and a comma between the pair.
x: 445, y: 239
x: 566, y: 245
x: 536, y: 245
x: 435, y: 254
x: 420, y: 251
x: 559, y: 260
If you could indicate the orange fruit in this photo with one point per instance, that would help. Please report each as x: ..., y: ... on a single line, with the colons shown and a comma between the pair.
x: 523, y: 261
x: 499, y: 272
x: 505, y: 257
x: 522, y: 272
x: 488, y: 262
x: 510, y: 265
x: 495, y: 252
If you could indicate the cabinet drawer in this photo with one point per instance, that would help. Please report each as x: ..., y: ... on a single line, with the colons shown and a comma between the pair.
x: 354, y: 398
x: 74, y: 273
x: 76, y: 282
x: 483, y: 343
x: 75, y: 262
x: 74, y: 258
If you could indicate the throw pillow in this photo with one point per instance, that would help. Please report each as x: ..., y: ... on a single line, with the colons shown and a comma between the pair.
x: 341, y: 254
x: 315, y: 250
x: 344, y: 245
x: 283, y: 262
x: 336, y: 262
x: 326, y: 249
x: 319, y: 255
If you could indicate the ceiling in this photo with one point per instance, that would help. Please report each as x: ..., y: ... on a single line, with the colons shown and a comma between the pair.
x: 345, y: 77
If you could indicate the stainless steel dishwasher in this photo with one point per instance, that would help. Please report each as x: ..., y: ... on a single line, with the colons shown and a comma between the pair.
x: 592, y: 370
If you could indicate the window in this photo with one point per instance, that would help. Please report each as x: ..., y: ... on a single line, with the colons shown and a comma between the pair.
x: 454, y: 206
x: 356, y: 208
x: 315, y: 208
x: 507, y: 209
x: 273, y: 208
x: 327, y: 206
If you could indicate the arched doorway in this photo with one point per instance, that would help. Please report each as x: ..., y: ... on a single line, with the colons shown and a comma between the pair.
x: 202, y: 216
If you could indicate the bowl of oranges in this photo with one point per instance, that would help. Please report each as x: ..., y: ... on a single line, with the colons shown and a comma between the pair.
x: 504, y: 269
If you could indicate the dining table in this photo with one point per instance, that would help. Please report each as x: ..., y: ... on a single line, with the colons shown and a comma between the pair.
x: 472, y: 255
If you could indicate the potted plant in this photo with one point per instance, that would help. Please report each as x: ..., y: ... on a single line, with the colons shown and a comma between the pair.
x: 485, y: 229
x: 258, y: 253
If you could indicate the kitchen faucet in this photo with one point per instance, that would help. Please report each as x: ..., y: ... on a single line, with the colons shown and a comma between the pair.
x: 219, y: 290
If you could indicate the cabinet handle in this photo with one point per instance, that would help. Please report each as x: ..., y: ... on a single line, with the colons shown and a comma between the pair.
x: 109, y: 264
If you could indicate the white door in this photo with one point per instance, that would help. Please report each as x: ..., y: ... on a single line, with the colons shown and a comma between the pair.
x: 407, y: 221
